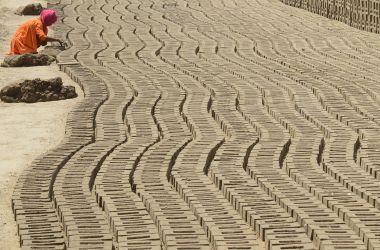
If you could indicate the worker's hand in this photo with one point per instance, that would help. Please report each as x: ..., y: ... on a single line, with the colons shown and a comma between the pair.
x: 58, y: 40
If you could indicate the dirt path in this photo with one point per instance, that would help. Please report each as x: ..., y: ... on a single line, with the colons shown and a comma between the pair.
x: 26, y: 130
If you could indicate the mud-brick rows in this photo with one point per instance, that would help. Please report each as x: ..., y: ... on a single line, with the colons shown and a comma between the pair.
x: 229, y: 124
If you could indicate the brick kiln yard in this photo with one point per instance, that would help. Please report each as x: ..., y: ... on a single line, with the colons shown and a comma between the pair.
x: 209, y: 124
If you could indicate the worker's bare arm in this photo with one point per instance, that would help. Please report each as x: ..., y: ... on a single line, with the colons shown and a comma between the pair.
x: 51, y: 39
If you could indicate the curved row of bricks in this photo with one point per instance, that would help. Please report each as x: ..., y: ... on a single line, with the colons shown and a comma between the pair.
x: 209, y: 124
x: 232, y: 55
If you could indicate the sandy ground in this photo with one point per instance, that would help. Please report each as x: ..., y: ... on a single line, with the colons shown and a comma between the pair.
x: 26, y: 130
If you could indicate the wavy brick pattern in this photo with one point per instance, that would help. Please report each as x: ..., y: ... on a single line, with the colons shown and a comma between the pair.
x: 209, y: 124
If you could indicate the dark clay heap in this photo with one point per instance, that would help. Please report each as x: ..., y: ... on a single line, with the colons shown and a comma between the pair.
x: 37, y: 90
x: 27, y: 60
x: 33, y: 9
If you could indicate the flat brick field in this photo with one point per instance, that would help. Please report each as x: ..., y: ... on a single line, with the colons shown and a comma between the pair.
x: 210, y: 124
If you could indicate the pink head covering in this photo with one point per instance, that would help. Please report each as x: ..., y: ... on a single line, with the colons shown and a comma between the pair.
x: 48, y: 17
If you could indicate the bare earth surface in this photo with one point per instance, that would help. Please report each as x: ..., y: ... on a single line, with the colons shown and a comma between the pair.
x: 210, y: 124
x: 26, y: 130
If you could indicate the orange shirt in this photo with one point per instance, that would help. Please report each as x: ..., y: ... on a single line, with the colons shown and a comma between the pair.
x: 28, y: 37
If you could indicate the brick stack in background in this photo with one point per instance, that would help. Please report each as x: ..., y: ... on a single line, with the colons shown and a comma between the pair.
x: 361, y: 14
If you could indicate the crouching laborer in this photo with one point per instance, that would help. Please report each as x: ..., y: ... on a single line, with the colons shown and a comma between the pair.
x: 33, y: 33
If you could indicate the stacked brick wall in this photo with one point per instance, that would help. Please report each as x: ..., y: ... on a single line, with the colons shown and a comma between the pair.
x: 361, y: 14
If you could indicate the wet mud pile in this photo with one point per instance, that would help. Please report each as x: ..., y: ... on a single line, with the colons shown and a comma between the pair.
x: 37, y: 90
